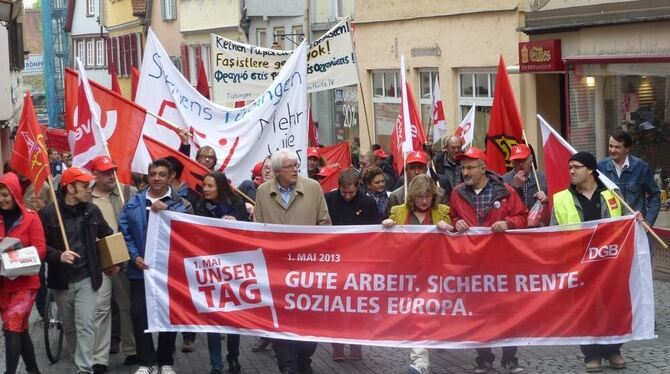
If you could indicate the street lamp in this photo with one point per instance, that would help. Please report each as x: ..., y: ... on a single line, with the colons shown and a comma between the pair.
x: 6, y: 11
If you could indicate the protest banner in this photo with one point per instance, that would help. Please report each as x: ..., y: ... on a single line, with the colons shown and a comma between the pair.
x: 241, y: 137
x: 243, y: 71
x: 407, y: 286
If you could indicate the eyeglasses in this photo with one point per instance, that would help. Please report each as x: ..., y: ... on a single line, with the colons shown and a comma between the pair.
x: 295, y: 166
x: 575, y: 167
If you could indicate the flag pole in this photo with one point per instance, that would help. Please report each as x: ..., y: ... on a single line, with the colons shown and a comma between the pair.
x: 244, y: 196
x: 404, y: 170
x: 61, y: 225
x: 360, y: 87
x: 644, y: 224
x: 537, y: 180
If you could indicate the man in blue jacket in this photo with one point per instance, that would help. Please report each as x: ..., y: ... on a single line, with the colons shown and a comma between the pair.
x: 633, y: 176
x: 133, y: 223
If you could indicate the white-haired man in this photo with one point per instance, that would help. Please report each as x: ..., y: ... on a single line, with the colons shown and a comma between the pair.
x: 291, y: 199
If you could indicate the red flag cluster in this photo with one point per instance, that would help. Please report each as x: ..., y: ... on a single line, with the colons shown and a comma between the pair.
x: 29, y: 156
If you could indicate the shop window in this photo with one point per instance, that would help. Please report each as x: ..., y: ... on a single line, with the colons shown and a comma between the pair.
x: 261, y: 38
x: 477, y: 88
x: 346, y: 113
x: 634, y: 98
x: 386, y: 104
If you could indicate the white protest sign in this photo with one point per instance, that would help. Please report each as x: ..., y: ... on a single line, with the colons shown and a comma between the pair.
x: 241, y: 137
x: 242, y: 71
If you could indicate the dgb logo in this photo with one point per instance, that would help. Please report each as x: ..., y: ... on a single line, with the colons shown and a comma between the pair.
x: 604, y: 252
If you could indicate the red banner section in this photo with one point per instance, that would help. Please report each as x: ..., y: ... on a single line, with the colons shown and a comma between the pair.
x: 407, y: 286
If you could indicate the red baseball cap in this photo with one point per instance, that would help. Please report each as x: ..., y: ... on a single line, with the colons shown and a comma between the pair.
x: 257, y: 170
x: 473, y: 153
x: 418, y: 157
x: 520, y: 152
x: 380, y: 153
x: 75, y: 174
x: 102, y: 163
x: 312, y: 152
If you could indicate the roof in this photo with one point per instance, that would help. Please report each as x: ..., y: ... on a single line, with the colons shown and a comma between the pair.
x: 139, y: 8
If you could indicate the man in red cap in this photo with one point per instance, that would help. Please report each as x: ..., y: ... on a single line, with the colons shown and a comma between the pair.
x: 314, y: 162
x: 523, y: 180
x: 249, y: 186
x: 107, y: 198
x: 484, y: 200
x: 417, y: 163
x: 74, y: 272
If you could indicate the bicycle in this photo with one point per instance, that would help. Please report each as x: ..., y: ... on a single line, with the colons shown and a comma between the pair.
x: 53, y: 328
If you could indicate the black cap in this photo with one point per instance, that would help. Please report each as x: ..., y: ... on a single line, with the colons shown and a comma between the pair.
x: 586, y: 159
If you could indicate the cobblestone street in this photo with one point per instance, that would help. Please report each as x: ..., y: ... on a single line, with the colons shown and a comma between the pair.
x: 643, y: 356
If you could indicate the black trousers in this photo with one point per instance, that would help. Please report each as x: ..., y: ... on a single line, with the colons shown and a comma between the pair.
x: 294, y: 357
x: 144, y: 342
x: 599, y: 351
x: 486, y: 354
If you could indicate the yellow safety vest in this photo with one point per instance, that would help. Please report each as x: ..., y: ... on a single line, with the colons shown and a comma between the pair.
x: 566, y: 212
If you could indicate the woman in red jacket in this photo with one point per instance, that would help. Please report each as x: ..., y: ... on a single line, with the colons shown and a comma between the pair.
x: 17, y: 295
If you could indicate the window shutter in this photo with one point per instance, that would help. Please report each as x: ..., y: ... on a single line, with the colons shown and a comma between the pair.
x: 109, y: 58
x: 184, y: 62
x: 126, y: 40
x: 163, y: 15
x: 133, y: 51
x: 173, y: 5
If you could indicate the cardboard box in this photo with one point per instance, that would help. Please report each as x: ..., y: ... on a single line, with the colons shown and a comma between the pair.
x: 24, y: 261
x: 112, y: 250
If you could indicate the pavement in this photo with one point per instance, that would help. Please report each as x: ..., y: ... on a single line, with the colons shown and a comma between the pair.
x: 649, y: 357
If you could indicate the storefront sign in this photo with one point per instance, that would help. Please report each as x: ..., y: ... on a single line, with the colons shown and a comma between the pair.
x: 539, y: 56
x: 34, y: 65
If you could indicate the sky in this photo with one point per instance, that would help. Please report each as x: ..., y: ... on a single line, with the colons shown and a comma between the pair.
x: 28, y: 3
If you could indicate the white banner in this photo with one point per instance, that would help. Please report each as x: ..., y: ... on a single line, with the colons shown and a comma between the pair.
x: 241, y: 137
x: 243, y: 71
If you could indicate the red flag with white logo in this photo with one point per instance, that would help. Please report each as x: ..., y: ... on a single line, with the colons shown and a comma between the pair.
x: 466, y: 129
x: 29, y: 156
x: 437, y: 113
x: 86, y: 141
x: 121, y: 121
x: 409, y: 122
x: 505, y: 127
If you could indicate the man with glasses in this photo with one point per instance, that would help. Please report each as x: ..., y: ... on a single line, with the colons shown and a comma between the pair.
x: 484, y: 200
x: 291, y: 199
x: 206, y: 156
x: 587, y: 199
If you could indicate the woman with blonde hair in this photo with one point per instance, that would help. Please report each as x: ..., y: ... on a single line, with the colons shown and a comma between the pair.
x: 421, y: 208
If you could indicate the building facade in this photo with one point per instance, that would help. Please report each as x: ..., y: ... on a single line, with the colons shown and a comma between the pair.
x: 11, y: 66
x: 89, y: 38
x: 126, y: 24
x: 615, y: 73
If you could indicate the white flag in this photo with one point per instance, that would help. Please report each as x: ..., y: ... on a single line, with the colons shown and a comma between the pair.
x: 437, y: 114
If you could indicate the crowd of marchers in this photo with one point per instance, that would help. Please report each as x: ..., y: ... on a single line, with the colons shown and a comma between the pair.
x: 104, y: 311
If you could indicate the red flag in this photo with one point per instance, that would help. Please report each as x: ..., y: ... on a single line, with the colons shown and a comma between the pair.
x: 505, y: 127
x: 56, y: 138
x: 203, y: 84
x: 134, y: 79
x: 337, y: 154
x: 397, y: 136
x: 121, y: 121
x: 29, y: 156
x: 193, y: 173
x: 115, y: 80
x: 330, y: 177
x: 312, y: 135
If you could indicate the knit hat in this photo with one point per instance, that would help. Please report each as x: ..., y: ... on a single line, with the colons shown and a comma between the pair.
x: 586, y: 159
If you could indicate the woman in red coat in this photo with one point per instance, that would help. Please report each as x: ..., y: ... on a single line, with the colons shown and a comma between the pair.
x: 17, y: 295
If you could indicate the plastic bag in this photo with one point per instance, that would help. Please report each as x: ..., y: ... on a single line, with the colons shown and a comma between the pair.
x: 536, y: 214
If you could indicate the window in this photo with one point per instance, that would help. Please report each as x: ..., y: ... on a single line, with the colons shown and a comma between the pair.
x: 386, y: 104
x: 168, y: 10
x: 261, y: 38
x: 90, y: 53
x: 100, y: 53
x: 427, y: 79
x: 81, y: 53
x: 15, y: 38
x: 90, y: 8
x: 297, y: 36
x: 476, y: 88
x: 279, y: 37
x: 191, y: 56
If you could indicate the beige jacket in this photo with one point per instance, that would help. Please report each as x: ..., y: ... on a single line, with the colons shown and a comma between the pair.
x: 306, y: 207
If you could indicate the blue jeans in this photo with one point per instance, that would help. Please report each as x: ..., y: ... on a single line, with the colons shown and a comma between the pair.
x: 214, y: 347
